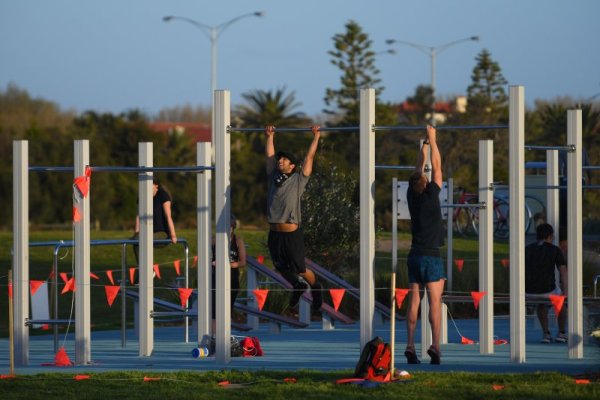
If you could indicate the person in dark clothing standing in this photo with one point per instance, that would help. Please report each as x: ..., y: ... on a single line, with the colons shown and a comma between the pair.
x: 286, y: 239
x: 162, y: 221
x: 542, y: 258
x: 425, y: 268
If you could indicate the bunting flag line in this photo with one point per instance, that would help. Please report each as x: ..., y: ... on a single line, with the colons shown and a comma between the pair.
x: 459, y: 262
x: 195, y: 261
x: 111, y: 293
x: 400, y: 296
x: 505, y: 262
x: 557, y: 303
x: 35, y: 285
x: 110, y: 276
x: 93, y: 275
x: 336, y: 297
x: 76, y: 215
x: 61, y: 359
x: 260, y: 258
x: 184, y: 295
x: 132, y: 275
x: 10, y: 290
x: 477, y: 296
x: 64, y: 277
x: 81, y: 377
x: 464, y: 340
x: 177, y: 264
x: 69, y: 286
x: 261, y: 297
x: 156, y: 270
x: 82, y: 183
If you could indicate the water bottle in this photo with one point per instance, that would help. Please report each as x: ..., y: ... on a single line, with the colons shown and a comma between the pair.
x: 200, y: 352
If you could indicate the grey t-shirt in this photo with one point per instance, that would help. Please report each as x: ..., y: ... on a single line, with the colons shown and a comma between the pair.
x: 283, y: 202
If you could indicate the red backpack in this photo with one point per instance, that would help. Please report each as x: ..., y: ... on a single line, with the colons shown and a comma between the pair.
x: 374, y: 362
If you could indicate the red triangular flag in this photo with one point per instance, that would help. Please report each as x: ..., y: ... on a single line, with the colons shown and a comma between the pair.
x: 111, y: 293
x: 70, y: 285
x: 131, y: 275
x: 88, y: 171
x: 336, y: 297
x: 261, y: 297
x: 177, y: 264
x: 81, y: 377
x: 184, y: 295
x: 557, y: 302
x: 82, y: 183
x: 505, y: 262
x: 10, y: 290
x: 465, y: 340
x: 459, y: 262
x: 64, y: 277
x: 195, y: 261
x: 51, y: 274
x: 156, y: 271
x: 61, y: 359
x: 400, y: 296
x: 76, y: 215
x: 35, y: 285
x: 110, y: 276
x: 93, y: 275
x: 260, y: 259
x: 477, y: 297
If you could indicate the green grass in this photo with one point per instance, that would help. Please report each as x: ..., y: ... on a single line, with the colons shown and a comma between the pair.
x: 308, y: 385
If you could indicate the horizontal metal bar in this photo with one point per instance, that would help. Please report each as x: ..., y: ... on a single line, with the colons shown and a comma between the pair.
x: 464, y: 205
x: 396, y: 167
x: 111, y: 242
x: 308, y: 129
x: 48, y: 321
x: 591, y: 167
x: 569, y: 148
x: 439, y: 128
x: 125, y: 169
x: 173, y: 314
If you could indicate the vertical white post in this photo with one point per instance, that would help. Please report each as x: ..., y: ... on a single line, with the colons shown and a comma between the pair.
x: 146, y: 251
x: 552, y: 198
x: 82, y: 259
x: 394, y: 225
x: 449, y: 244
x: 574, y: 234
x: 486, y: 247
x: 222, y: 214
x: 367, y: 214
x: 21, y: 250
x: 426, y: 338
x: 251, y: 284
x: 516, y: 163
x: 203, y: 207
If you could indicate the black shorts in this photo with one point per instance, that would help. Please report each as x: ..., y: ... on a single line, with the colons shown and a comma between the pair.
x: 287, y: 250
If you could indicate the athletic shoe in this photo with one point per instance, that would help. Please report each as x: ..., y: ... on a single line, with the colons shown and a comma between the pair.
x: 299, y: 288
x: 317, y: 295
x: 547, y: 338
x: 561, y: 338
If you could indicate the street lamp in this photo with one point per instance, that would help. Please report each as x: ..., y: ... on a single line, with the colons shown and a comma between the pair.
x: 213, y: 33
x: 432, y: 51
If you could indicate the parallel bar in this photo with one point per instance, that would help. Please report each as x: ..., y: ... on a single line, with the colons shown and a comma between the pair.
x: 82, y: 259
x: 21, y: 250
x: 51, y: 169
x: 367, y: 215
x: 569, y: 148
x: 516, y: 222
x: 232, y: 129
x: 486, y: 248
x: 574, y: 235
x: 396, y: 167
x: 439, y: 128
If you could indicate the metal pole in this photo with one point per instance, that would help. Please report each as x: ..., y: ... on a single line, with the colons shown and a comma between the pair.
x: 552, y: 195
x: 186, y: 251
x: 204, y: 182
x: 574, y: 235
x: 123, y: 295
x: 146, y: 249
x: 11, y: 324
x: 486, y: 247
x: 222, y: 211
x: 367, y: 215
x: 450, y: 237
x: 517, y: 222
x: 433, y: 85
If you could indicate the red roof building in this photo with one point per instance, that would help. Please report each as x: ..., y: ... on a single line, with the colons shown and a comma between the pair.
x: 199, y: 131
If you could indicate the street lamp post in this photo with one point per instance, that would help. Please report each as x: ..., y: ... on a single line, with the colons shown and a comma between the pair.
x: 432, y: 52
x: 213, y: 33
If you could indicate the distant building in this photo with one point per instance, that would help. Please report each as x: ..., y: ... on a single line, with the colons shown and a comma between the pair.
x: 199, y: 131
x: 441, y: 109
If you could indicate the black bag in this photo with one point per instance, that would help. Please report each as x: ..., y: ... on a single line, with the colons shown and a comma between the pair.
x: 374, y: 361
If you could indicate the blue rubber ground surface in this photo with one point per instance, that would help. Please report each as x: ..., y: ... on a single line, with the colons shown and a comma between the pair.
x: 310, y: 348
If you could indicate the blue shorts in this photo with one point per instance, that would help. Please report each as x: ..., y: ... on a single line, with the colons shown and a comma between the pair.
x: 425, y: 269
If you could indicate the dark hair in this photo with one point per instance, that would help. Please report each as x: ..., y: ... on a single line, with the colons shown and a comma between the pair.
x: 155, y: 180
x: 544, y: 231
x: 417, y: 182
x: 233, y: 221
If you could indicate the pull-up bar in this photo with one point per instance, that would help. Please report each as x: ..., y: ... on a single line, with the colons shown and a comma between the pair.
x: 374, y: 128
x: 570, y: 147
x: 307, y: 129
x: 125, y: 169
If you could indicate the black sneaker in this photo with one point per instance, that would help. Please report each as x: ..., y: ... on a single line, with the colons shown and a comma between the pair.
x: 317, y: 295
x: 299, y: 288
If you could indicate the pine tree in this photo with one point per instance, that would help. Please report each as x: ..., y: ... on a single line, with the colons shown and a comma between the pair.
x: 487, y: 93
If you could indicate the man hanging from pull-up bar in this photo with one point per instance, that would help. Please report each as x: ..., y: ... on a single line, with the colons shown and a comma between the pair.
x: 286, y: 239
x: 425, y: 267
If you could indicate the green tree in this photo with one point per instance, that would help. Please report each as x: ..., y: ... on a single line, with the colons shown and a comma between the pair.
x: 487, y: 93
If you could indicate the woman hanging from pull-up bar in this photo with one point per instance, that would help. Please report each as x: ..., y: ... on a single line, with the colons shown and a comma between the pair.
x: 285, y: 186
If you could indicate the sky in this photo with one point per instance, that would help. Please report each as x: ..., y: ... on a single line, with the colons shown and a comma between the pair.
x: 118, y: 55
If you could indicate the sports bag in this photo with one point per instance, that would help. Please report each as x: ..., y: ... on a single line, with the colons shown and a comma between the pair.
x: 374, y: 362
